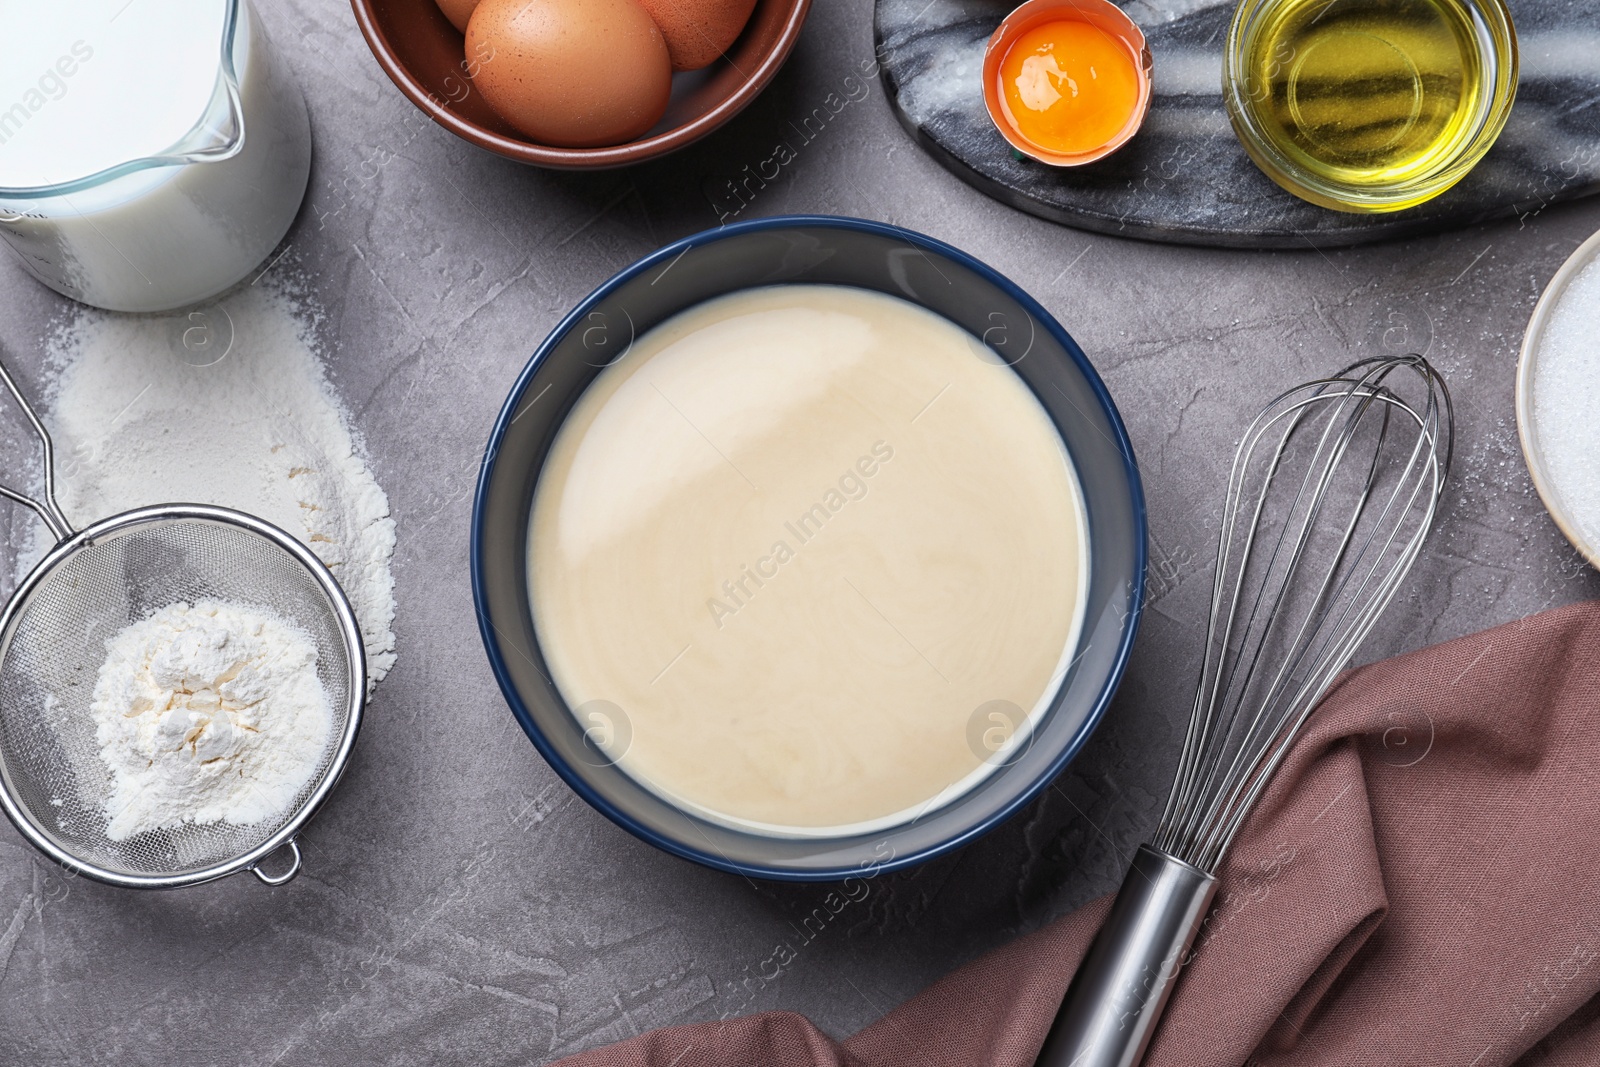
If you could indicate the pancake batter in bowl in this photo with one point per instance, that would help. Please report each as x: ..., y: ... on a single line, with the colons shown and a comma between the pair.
x: 811, y: 541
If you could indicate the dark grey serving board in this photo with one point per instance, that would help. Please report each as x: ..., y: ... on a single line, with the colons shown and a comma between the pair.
x: 1184, y: 178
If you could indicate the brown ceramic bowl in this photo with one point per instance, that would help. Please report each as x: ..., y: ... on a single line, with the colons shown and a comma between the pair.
x: 424, y: 55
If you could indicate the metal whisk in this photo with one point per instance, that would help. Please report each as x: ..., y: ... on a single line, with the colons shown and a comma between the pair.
x: 1332, y: 492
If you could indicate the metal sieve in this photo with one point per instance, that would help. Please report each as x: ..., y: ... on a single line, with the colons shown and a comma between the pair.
x: 53, y: 632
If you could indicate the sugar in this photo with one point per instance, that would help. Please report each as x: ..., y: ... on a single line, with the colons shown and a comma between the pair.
x: 1566, y: 400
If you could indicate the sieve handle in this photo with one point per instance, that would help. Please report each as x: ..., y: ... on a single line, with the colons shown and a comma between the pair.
x: 287, y: 876
x: 47, y: 509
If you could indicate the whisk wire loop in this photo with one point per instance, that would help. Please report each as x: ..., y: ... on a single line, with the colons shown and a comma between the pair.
x: 1331, y: 492
x: 1256, y: 736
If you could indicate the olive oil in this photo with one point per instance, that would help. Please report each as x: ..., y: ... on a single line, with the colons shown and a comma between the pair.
x: 1366, y: 92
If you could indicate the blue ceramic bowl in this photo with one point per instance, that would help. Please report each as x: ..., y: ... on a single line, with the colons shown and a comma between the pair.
x: 825, y: 250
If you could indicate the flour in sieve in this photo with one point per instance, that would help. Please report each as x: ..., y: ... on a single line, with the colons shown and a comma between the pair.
x: 227, y: 406
x: 207, y: 713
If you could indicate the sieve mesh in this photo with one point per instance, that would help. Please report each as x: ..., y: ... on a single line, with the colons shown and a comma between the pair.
x: 54, y: 647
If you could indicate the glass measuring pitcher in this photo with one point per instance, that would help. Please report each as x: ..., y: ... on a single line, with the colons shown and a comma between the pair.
x: 168, y: 222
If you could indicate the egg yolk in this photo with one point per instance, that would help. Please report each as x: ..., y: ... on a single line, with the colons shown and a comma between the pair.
x: 1068, y: 86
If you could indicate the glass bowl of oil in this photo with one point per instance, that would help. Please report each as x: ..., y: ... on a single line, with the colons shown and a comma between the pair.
x: 1369, y: 105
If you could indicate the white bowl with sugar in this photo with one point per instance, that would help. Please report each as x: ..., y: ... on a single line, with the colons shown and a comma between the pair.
x: 1558, y: 398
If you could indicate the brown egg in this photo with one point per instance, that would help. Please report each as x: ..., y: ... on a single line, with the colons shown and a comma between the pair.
x: 573, y: 73
x: 457, y: 11
x: 698, y: 31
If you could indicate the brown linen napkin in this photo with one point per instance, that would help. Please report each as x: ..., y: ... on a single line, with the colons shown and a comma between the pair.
x: 1421, y: 885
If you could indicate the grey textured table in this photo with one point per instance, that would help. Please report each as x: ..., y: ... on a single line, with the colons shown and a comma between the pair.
x: 459, y: 905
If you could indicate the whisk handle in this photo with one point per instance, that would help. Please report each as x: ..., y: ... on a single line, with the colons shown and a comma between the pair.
x: 1116, y: 998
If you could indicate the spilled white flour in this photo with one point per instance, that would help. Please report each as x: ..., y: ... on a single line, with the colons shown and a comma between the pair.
x: 230, y: 406
x: 207, y: 713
